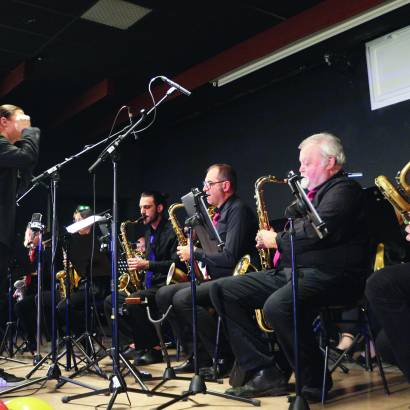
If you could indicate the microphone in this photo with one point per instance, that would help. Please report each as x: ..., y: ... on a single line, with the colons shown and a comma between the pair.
x: 295, y: 185
x: 177, y: 86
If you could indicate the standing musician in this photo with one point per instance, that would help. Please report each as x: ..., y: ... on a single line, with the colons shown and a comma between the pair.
x: 160, y: 248
x: 19, y: 147
x: 331, y: 270
x: 236, y: 225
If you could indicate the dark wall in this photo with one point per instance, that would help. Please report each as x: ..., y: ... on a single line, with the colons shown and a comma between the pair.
x: 257, y: 129
x: 259, y: 132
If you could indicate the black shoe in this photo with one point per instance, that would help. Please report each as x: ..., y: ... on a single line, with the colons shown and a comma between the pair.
x: 7, y: 379
x: 151, y: 356
x: 185, y: 367
x: 269, y: 381
x: 313, y: 394
x: 130, y: 353
x: 222, y: 369
x: 189, y: 367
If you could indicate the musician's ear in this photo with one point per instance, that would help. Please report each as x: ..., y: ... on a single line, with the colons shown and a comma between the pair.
x: 160, y: 208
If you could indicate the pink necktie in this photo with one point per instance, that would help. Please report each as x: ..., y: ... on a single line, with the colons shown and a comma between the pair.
x: 216, y: 217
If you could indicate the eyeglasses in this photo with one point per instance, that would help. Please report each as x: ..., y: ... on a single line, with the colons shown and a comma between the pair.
x: 209, y: 184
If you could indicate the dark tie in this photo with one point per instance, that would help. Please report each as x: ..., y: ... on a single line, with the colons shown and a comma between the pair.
x: 151, y: 257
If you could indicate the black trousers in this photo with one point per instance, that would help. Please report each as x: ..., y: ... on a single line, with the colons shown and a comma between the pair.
x: 388, y: 292
x: 180, y: 318
x: 236, y: 298
x: 133, y: 323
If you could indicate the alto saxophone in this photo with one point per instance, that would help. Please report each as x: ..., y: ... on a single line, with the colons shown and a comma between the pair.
x: 73, y: 277
x: 263, y: 222
x: 176, y: 275
x: 400, y: 197
x: 130, y: 281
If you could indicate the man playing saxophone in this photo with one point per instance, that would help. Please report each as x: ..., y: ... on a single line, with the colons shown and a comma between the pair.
x: 236, y: 225
x: 152, y: 269
x: 330, y: 270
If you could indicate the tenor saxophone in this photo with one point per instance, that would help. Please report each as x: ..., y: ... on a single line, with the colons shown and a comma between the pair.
x: 398, y: 197
x: 131, y: 281
x: 176, y: 275
x: 263, y: 222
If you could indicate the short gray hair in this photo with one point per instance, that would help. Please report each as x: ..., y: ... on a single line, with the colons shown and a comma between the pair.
x: 330, y: 146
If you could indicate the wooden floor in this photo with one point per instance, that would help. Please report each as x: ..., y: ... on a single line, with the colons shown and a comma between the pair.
x: 357, y: 390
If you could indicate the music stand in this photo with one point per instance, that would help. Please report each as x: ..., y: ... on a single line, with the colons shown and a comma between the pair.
x: 79, y: 249
x: 199, y: 219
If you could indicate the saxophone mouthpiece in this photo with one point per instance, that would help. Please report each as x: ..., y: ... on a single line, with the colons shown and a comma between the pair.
x: 141, y: 218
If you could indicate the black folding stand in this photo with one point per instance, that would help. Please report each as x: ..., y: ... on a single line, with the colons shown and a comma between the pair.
x: 197, y: 384
x: 8, y: 341
x: 169, y: 372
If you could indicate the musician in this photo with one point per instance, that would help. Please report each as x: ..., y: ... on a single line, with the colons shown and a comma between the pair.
x: 330, y: 271
x: 388, y: 292
x: 25, y: 308
x: 76, y: 243
x: 236, y: 225
x: 19, y: 146
x: 160, y: 248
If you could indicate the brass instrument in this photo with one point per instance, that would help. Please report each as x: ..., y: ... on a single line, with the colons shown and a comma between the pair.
x: 399, y: 197
x: 263, y: 221
x: 130, y: 281
x: 176, y: 275
x: 74, y: 279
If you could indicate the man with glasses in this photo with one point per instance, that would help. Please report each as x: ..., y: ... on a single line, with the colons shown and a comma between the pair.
x: 236, y: 225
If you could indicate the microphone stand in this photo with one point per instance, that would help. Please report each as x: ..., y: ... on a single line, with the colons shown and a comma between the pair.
x: 117, y: 383
x: 54, y: 371
x: 298, y: 402
x: 197, y: 384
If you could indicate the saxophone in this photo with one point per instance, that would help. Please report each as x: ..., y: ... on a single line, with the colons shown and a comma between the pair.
x: 74, y: 277
x: 176, y: 275
x: 399, y: 197
x: 130, y: 281
x: 263, y: 222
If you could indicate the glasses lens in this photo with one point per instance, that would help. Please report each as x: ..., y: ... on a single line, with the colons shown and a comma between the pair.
x: 81, y: 208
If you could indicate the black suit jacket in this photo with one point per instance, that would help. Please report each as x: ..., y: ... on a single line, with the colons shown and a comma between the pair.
x: 16, y: 164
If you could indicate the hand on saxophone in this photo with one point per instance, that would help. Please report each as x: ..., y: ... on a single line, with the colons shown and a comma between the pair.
x: 138, y: 264
x: 184, y: 253
x: 408, y: 232
x: 266, y: 239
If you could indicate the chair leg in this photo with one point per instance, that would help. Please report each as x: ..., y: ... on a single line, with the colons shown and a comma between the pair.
x: 378, y: 360
x: 324, y: 382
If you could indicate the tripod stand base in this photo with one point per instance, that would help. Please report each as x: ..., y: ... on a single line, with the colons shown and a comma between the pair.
x: 198, y: 385
x: 298, y: 403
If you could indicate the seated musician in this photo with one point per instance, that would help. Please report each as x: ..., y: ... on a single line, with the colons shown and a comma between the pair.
x: 388, y: 292
x: 236, y: 225
x: 77, y: 255
x: 152, y: 269
x: 330, y: 270
x: 25, y: 308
